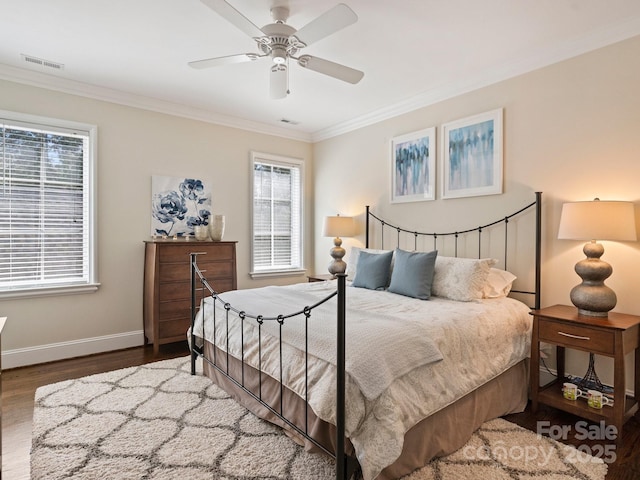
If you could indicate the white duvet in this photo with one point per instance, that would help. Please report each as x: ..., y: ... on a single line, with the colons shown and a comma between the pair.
x: 465, y: 345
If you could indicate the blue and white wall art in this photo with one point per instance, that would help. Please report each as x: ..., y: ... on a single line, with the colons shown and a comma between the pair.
x: 413, y: 166
x: 178, y: 204
x: 472, y: 156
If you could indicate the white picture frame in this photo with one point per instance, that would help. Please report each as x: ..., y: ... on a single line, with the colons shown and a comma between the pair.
x: 413, y: 166
x: 471, y: 156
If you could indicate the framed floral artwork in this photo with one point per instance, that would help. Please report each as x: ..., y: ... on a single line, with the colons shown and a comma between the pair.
x: 413, y: 166
x: 178, y: 204
x: 471, y: 157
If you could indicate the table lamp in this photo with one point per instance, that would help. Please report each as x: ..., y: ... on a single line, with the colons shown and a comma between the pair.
x: 337, y: 226
x: 596, y: 220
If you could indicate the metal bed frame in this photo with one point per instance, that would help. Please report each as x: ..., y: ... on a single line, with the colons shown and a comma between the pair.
x: 345, y: 464
x: 479, y: 230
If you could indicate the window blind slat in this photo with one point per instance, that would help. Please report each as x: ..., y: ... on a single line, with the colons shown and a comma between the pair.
x: 44, y: 205
x: 276, y: 215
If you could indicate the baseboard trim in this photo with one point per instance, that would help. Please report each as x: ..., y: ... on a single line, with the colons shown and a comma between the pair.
x: 21, y: 357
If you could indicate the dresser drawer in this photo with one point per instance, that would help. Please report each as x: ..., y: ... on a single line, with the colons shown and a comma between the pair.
x: 174, y: 309
x: 174, y: 328
x: 180, y: 253
x: 177, y: 291
x: 577, y: 336
x: 169, y: 308
x: 170, y: 272
x: 181, y: 290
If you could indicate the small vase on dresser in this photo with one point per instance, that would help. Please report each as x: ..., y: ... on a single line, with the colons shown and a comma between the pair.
x: 201, y: 232
x: 216, y: 227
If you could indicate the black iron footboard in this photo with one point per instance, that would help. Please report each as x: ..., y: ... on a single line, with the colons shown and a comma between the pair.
x: 345, y: 465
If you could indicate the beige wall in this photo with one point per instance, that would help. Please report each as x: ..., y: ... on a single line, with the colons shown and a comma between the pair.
x: 134, y: 144
x: 571, y: 130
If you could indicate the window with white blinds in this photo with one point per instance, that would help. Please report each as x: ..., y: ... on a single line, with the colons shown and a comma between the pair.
x: 46, y: 206
x: 277, y: 214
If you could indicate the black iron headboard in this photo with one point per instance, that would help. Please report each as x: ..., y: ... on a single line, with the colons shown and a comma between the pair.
x: 504, y: 221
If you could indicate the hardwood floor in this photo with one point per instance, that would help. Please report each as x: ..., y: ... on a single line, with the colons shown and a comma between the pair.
x: 19, y: 386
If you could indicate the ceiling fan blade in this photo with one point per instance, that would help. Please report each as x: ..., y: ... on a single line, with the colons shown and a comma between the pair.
x: 279, y: 87
x: 233, y: 16
x: 214, y: 62
x: 335, y: 70
x: 329, y: 22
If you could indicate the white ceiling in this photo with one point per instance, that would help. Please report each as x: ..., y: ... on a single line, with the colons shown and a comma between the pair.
x: 413, y: 53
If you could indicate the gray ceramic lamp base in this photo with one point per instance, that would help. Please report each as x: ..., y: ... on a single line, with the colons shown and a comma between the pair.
x: 337, y: 252
x: 592, y: 297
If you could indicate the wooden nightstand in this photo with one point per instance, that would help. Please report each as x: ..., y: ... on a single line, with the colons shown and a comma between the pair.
x: 614, y: 336
x: 320, y: 277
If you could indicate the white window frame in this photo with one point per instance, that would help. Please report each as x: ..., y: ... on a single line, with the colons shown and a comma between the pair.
x: 90, y: 186
x: 258, y: 157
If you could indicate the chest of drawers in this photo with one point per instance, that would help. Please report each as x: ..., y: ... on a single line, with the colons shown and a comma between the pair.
x: 167, y: 284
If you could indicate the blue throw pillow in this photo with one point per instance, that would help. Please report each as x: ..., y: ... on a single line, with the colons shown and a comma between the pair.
x: 413, y: 273
x: 373, y: 270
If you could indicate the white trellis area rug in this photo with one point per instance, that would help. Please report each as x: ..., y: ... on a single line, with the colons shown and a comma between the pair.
x: 158, y: 422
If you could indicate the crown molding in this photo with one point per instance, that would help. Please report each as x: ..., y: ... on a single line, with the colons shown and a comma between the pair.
x: 59, y: 84
x: 528, y: 62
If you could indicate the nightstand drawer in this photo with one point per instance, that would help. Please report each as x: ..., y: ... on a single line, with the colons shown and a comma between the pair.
x: 577, y: 336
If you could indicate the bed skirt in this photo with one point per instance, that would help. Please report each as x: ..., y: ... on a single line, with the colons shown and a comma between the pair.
x: 440, y: 434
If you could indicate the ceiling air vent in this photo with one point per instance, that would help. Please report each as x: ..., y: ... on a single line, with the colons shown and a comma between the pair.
x: 290, y: 122
x: 42, y: 62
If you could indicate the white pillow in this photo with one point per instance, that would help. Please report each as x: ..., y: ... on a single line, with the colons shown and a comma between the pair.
x: 461, y: 279
x: 352, y: 260
x: 499, y: 283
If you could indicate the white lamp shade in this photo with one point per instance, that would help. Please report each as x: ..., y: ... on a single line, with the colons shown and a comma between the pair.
x: 338, y: 226
x: 598, y: 220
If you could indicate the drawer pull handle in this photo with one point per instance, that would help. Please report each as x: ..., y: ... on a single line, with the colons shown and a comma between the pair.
x: 578, y: 337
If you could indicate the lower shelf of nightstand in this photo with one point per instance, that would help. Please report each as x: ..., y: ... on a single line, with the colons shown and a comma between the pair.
x: 551, y: 394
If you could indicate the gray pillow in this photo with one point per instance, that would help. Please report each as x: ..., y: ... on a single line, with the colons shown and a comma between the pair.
x: 373, y: 270
x: 413, y: 273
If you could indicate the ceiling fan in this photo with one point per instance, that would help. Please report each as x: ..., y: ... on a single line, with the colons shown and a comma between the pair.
x: 282, y: 42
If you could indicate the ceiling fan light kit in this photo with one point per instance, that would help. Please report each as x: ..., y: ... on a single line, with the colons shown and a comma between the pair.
x: 282, y: 42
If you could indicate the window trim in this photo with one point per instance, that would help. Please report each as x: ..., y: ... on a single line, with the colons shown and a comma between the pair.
x: 91, y: 179
x: 259, y: 157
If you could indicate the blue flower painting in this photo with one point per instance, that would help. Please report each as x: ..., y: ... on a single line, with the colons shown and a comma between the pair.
x: 178, y: 204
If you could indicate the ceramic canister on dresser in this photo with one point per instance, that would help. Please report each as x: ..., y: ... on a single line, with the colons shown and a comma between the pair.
x: 216, y: 227
x: 201, y: 232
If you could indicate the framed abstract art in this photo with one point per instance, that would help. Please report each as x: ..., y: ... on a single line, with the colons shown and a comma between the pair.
x: 471, y: 158
x: 413, y: 166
